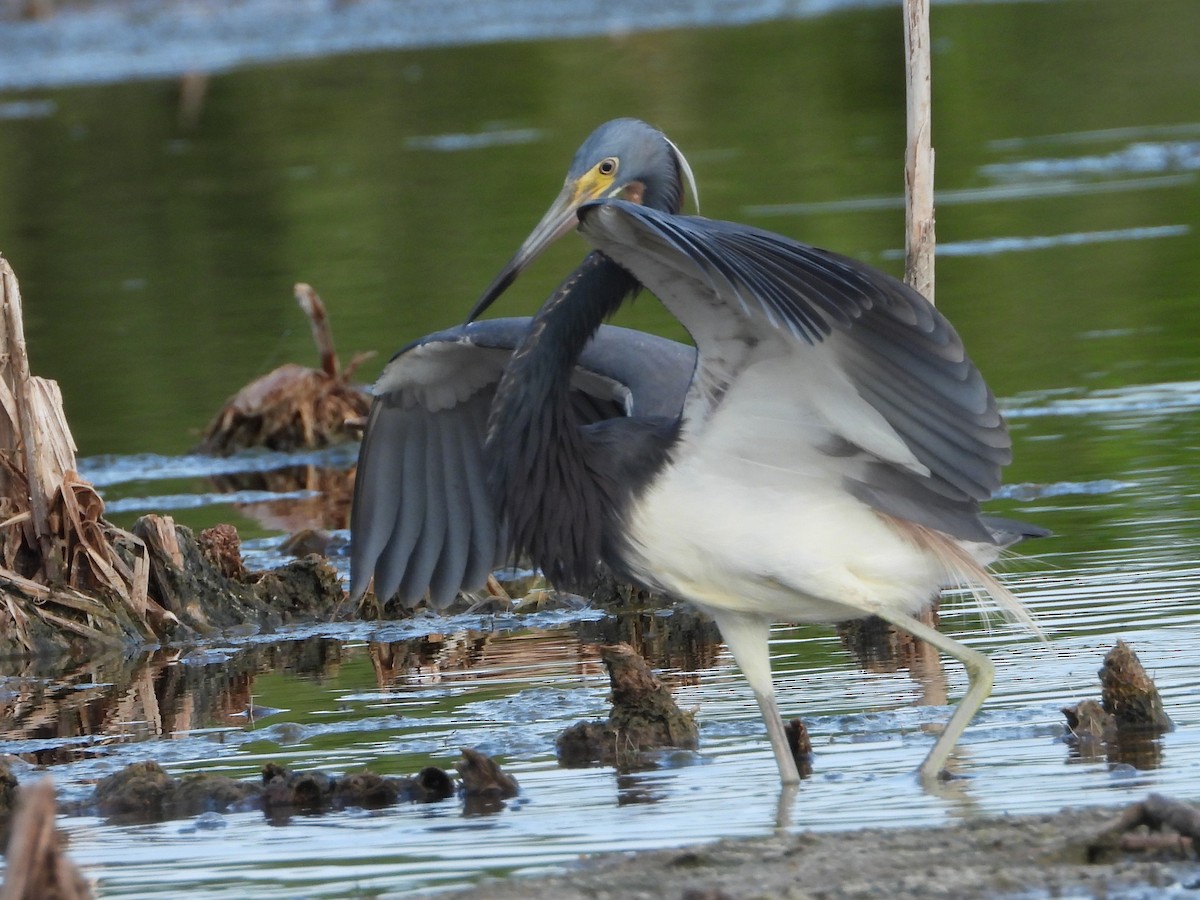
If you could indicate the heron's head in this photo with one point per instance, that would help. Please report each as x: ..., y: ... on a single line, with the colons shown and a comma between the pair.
x: 624, y: 159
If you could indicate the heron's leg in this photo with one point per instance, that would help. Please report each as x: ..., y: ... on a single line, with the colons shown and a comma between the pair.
x: 980, y: 673
x: 747, y: 638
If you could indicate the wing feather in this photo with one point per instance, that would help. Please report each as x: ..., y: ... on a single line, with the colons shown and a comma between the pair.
x: 747, y: 295
x: 407, y: 503
x: 423, y: 520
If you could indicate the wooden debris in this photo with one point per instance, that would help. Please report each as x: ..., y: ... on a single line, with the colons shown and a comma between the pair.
x: 1150, y: 817
x: 293, y: 407
x: 918, y: 158
x: 193, y: 90
x: 645, y: 718
x: 204, y: 588
x: 36, y: 865
x: 322, y: 332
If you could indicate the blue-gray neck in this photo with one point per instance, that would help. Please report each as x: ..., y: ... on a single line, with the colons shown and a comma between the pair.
x: 559, y: 503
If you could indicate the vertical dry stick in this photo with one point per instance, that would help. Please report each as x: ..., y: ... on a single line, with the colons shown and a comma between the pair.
x: 18, y: 370
x: 918, y: 193
x: 918, y: 158
x: 318, y: 321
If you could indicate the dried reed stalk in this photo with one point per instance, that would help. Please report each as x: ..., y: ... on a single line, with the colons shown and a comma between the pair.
x: 918, y: 158
x: 59, y: 562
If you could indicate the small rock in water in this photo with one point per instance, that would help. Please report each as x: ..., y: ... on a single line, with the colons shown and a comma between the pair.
x: 209, y: 821
x: 142, y: 791
x: 482, y: 776
x: 306, y: 541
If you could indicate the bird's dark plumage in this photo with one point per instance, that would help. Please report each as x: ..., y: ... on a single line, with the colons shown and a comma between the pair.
x: 423, y: 520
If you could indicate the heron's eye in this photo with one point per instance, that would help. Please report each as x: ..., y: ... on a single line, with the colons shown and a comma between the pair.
x: 607, y: 166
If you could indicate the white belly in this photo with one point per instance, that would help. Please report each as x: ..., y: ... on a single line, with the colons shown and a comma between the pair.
x: 752, y: 516
x: 808, y: 554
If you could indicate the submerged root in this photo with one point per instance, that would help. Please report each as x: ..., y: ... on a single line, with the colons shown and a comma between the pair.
x: 645, y: 718
x: 1158, y: 824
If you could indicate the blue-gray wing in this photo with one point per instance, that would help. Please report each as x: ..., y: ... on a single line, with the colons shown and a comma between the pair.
x: 898, y: 408
x: 423, y: 522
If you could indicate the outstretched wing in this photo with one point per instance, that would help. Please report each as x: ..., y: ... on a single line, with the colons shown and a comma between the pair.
x: 847, y: 362
x: 422, y: 520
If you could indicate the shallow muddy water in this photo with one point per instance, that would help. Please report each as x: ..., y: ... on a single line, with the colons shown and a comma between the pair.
x: 156, y: 258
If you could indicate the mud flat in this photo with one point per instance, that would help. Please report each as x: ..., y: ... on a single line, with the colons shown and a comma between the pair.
x: 1009, y: 856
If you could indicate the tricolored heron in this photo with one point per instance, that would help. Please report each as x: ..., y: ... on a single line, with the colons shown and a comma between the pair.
x: 827, y: 463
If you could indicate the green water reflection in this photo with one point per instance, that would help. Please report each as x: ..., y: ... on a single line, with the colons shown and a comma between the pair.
x: 156, y: 259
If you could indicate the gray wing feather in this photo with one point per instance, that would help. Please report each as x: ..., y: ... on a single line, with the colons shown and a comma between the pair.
x: 419, y: 573
x: 423, y: 522
x: 403, y: 528
x: 374, y: 512
x: 901, y: 355
x: 487, y: 541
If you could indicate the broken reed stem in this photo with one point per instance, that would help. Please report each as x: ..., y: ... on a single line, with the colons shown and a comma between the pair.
x: 61, y: 566
x: 918, y: 157
x: 318, y: 320
x: 26, y: 423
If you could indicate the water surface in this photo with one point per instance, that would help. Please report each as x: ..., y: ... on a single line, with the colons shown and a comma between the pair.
x: 156, y: 256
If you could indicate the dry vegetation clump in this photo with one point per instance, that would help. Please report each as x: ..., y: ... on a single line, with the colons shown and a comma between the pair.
x: 64, y: 571
x: 69, y: 578
x: 293, y: 407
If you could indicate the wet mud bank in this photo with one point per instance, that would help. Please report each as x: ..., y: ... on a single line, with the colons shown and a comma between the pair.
x: 1045, y: 855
